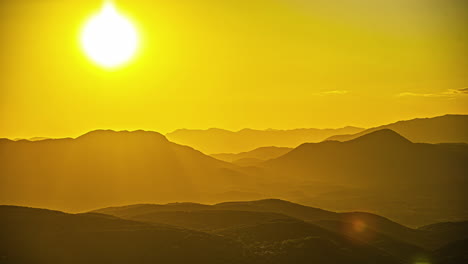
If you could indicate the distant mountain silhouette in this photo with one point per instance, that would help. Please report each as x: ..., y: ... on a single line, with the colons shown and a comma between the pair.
x: 216, y: 140
x: 381, y: 172
x: 253, y: 156
x: 441, y: 129
x: 390, y: 174
x: 108, y: 167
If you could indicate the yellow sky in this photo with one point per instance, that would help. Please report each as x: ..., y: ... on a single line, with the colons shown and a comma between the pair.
x: 233, y: 64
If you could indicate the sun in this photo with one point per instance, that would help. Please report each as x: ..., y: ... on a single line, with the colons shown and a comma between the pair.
x: 109, y: 38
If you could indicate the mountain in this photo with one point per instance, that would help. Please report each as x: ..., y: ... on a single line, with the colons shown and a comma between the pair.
x: 216, y: 140
x: 413, y: 183
x: 32, y: 235
x: 108, y: 167
x: 258, y: 154
x: 231, y: 215
x: 441, y: 129
x: 264, y: 225
x: 267, y: 205
x: 381, y: 172
x: 294, y: 210
x: 208, y: 220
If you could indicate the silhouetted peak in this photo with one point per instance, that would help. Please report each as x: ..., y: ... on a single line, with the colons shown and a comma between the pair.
x: 111, y: 134
x: 383, y: 136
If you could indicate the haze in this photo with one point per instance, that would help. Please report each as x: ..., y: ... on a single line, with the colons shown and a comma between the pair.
x: 233, y: 64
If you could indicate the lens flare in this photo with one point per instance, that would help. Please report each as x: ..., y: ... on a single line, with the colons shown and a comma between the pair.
x: 109, y: 38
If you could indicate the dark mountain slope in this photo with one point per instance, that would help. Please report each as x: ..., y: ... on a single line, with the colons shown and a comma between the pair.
x: 447, y: 231
x: 262, y: 237
x: 279, y: 206
x: 453, y: 253
x: 209, y: 220
x: 249, y: 213
x: 44, y: 236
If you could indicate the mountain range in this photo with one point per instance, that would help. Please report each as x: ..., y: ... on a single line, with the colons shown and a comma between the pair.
x: 440, y: 129
x: 107, y: 167
x: 215, y: 140
x: 264, y: 231
x: 252, y: 157
x: 381, y: 172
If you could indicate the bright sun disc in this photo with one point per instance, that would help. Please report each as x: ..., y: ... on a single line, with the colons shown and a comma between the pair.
x: 109, y: 38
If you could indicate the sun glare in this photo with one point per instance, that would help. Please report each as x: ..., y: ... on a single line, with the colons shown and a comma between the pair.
x: 109, y: 38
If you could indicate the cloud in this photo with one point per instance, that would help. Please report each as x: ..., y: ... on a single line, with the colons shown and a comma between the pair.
x: 447, y: 93
x: 336, y: 92
x: 333, y: 92
x: 460, y: 91
x: 408, y: 94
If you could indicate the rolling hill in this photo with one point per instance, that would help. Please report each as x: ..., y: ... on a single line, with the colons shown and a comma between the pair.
x: 231, y: 215
x: 267, y: 205
x: 32, y: 235
x: 265, y: 225
x: 96, y: 238
x: 441, y: 129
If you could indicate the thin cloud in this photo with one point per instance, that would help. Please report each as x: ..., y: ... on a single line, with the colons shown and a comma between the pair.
x: 333, y: 92
x: 460, y: 91
x: 336, y: 92
x: 447, y: 93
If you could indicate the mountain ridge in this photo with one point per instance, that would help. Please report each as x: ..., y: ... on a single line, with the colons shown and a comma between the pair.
x: 217, y: 140
x: 449, y: 128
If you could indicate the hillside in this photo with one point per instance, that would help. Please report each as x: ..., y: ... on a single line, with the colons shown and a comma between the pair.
x: 42, y: 236
x: 265, y: 225
x: 108, y: 167
x: 96, y: 238
x: 216, y: 140
x: 441, y: 129
x: 382, y: 172
x: 267, y: 205
x: 232, y: 215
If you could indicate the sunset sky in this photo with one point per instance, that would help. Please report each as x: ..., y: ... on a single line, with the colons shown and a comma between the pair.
x: 234, y: 64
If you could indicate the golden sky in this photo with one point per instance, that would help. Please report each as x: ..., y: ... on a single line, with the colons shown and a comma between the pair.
x: 234, y: 64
